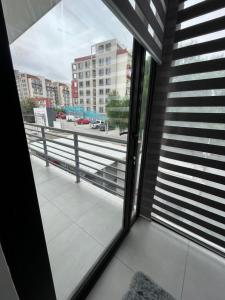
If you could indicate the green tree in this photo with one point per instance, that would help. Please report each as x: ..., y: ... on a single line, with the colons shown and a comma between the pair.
x: 59, y: 109
x: 27, y: 106
x: 117, y: 110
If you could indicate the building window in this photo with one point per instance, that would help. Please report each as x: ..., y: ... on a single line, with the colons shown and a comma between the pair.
x: 88, y: 83
x: 88, y: 101
x: 101, y: 82
x: 101, y: 48
x: 87, y: 74
x: 108, y: 47
x: 80, y: 66
x: 101, y: 92
x: 101, y: 109
x: 107, y: 71
x: 80, y: 84
x: 74, y: 75
x: 108, y: 81
x: 107, y: 91
x: 81, y: 93
x: 88, y: 92
x: 88, y: 108
x: 94, y: 63
x: 87, y: 64
x: 81, y: 101
x: 101, y: 101
x: 74, y: 66
x: 108, y: 60
x: 81, y: 75
x: 93, y: 73
x: 101, y: 72
x: 101, y: 61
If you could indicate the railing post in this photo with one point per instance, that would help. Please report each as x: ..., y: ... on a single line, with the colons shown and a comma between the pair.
x: 76, y: 153
x: 44, y: 145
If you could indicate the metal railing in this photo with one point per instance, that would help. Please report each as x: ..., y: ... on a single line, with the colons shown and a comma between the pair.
x: 98, y: 159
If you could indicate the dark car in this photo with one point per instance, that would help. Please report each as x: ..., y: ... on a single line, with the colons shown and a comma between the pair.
x: 103, y: 127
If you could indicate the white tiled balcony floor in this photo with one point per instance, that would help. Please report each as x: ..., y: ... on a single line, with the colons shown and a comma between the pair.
x: 78, y: 228
x: 184, y: 269
x: 79, y: 221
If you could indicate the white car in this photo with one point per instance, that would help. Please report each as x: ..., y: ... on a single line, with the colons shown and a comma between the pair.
x: 96, y: 124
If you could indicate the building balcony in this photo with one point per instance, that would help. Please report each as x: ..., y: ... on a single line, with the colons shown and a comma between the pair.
x: 81, y: 202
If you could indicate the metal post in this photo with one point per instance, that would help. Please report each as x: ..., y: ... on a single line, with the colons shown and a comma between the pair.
x: 76, y: 153
x: 44, y: 145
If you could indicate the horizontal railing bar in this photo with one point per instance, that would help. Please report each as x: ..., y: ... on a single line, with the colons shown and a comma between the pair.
x: 97, y: 145
x: 60, y: 136
x: 33, y: 135
x: 101, y: 163
x: 89, y: 173
x: 59, y: 143
x: 74, y: 172
x: 31, y: 129
x: 59, y: 149
x: 102, y: 155
x: 91, y: 167
x: 37, y: 147
x: 121, y: 141
x: 102, y: 187
x: 102, y: 179
x: 49, y: 151
x: 87, y: 151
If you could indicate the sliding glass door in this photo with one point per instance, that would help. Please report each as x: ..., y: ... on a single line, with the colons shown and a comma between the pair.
x: 73, y: 74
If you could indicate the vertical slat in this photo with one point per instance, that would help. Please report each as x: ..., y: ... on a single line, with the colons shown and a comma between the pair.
x: 76, y: 153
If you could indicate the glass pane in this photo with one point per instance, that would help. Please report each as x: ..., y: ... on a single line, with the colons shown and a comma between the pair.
x: 73, y: 71
x: 142, y: 125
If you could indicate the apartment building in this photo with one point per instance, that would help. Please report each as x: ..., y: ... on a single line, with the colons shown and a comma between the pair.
x: 106, y: 69
x: 43, y: 90
x: 63, y: 93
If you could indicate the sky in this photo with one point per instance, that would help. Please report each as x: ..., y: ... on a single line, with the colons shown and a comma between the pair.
x: 67, y: 31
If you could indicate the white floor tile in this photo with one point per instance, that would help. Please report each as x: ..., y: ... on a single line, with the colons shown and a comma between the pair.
x: 205, y: 275
x: 114, y: 282
x: 157, y: 253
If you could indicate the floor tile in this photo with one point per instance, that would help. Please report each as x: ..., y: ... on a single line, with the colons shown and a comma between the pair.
x: 205, y: 275
x: 73, y: 206
x: 71, y: 254
x: 113, y: 284
x: 102, y: 222
x: 157, y: 253
x: 54, y: 221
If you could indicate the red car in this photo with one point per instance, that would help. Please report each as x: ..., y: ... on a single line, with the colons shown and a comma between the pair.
x: 82, y: 121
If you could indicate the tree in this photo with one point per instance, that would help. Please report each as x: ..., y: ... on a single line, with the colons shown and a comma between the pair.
x: 27, y: 106
x: 117, y: 110
x: 60, y: 109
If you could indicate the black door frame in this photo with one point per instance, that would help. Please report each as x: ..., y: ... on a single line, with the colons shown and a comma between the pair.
x: 21, y: 233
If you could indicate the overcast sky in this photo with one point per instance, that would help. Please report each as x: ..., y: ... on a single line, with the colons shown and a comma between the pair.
x: 67, y: 31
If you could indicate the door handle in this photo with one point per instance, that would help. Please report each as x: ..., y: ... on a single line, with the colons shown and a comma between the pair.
x: 124, y: 132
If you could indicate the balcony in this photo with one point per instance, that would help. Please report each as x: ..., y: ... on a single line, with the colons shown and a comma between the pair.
x: 80, y: 195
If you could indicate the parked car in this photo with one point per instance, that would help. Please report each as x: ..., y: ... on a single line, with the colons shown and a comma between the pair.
x: 103, y: 127
x: 82, y: 121
x: 70, y: 118
x: 96, y: 124
x: 61, y: 115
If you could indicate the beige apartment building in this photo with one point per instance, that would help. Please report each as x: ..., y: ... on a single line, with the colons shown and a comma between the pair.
x: 105, y: 70
x: 43, y: 90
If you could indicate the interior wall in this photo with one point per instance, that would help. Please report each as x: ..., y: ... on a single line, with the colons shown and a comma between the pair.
x: 7, y: 289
